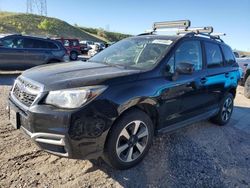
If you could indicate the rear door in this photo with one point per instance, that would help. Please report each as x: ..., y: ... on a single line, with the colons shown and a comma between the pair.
x: 12, y: 53
x: 36, y: 52
x: 217, y: 73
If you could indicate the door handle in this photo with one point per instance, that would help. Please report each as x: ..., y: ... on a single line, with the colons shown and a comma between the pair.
x: 203, y: 80
x: 227, y: 74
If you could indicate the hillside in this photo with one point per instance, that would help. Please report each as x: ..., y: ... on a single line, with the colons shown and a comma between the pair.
x: 31, y: 24
x: 110, y: 36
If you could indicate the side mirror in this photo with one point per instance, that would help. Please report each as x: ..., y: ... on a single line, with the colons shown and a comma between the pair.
x: 185, y: 68
x: 168, y: 73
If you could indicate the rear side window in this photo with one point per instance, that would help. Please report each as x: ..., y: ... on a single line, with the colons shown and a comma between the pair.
x: 51, y: 45
x: 228, y: 54
x: 40, y: 44
x: 213, y: 54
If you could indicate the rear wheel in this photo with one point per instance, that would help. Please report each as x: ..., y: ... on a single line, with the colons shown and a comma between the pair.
x: 129, y: 140
x: 73, y: 56
x: 247, y: 88
x: 225, y: 112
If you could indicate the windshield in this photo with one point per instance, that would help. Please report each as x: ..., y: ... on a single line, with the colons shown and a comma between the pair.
x: 142, y: 53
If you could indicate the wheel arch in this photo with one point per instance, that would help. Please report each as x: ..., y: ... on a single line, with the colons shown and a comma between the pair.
x: 148, y: 107
x: 232, y: 90
x: 247, y: 74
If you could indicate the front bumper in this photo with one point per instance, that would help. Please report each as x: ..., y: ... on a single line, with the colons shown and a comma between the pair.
x: 56, y: 142
x: 66, y: 133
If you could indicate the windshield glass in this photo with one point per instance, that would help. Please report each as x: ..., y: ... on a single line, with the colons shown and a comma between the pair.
x: 142, y: 53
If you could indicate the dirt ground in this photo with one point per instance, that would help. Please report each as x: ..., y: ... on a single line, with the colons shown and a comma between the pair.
x: 201, y: 155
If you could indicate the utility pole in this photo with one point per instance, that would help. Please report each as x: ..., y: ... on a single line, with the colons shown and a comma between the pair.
x: 37, y: 7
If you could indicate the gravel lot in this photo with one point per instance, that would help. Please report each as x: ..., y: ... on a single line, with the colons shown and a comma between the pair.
x: 201, y: 155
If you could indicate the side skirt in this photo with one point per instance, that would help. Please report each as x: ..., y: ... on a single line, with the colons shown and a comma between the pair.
x: 187, y: 122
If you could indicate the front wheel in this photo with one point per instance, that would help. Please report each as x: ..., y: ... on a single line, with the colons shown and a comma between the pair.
x: 225, y: 111
x: 73, y: 56
x: 129, y: 140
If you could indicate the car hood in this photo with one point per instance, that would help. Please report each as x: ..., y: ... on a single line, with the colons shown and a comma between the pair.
x: 74, y: 74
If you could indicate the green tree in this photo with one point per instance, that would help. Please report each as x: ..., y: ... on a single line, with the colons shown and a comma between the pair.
x: 45, y: 25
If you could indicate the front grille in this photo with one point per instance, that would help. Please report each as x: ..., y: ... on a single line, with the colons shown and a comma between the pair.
x: 25, y: 92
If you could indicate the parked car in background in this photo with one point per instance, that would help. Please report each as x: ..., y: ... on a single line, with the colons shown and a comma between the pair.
x: 244, y: 64
x: 93, y: 51
x: 84, y: 47
x: 114, y: 104
x: 18, y: 52
x: 101, y: 45
x: 73, y: 47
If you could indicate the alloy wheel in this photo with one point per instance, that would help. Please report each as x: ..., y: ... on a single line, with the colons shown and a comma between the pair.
x: 132, y: 141
x: 227, y: 109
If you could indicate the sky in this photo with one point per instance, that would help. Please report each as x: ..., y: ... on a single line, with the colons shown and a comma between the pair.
x: 135, y: 16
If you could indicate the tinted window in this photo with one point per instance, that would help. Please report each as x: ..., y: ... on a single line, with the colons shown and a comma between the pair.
x: 228, y: 54
x: 12, y: 42
x: 28, y: 43
x: 51, y: 45
x: 213, y: 54
x: 40, y: 44
x: 187, y: 52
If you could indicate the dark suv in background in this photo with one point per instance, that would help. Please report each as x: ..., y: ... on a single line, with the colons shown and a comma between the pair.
x: 18, y: 52
x: 113, y: 105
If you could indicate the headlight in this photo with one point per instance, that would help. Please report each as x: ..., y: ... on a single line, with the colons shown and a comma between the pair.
x: 73, y: 98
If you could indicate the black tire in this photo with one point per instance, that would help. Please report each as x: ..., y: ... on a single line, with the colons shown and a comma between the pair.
x: 226, y: 110
x: 247, y: 88
x: 73, y: 56
x: 116, y: 140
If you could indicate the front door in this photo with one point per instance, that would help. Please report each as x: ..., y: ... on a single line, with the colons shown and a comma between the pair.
x: 11, y: 53
x: 188, y: 89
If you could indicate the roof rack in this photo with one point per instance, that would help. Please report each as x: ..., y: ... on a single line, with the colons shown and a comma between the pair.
x: 172, y: 24
x: 183, y: 27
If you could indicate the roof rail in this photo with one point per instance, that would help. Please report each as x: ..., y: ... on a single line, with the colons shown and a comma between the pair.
x: 196, y: 30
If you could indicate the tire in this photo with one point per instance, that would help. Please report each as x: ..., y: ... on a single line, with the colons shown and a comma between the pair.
x: 129, y: 140
x: 226, y: 110
x: 247, y: 88
x: 73, y: 56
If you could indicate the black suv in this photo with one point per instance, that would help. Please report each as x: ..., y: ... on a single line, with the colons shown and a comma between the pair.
x: 18, y: 52
x: 114, y: 104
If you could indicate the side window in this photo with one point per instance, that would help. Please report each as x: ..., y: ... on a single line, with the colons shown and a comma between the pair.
x: 187, y: 52
x: 40, y: 44
x: 51, y: 45
x: 66, y: 43
x: 213, y: 54
x: 75, y: 43
x: 28, y: 43
x: 12, y: 42
x: 228, y: 54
